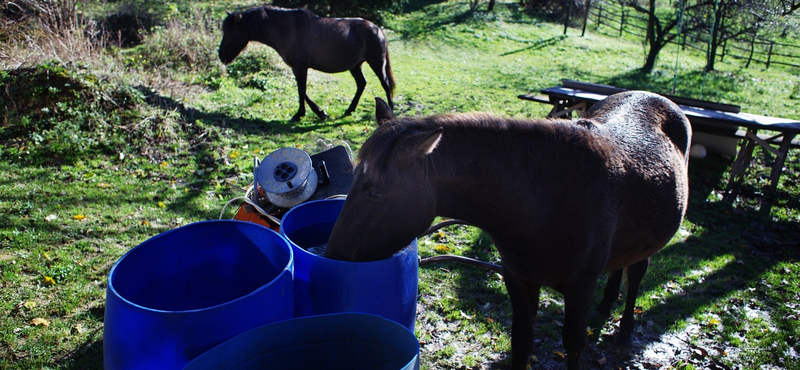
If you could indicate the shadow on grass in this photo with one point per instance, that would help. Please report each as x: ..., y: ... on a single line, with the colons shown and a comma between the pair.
x: 88, y: 355
x: 537, y: 45
x: 249, y: 127
x: 693, y: 84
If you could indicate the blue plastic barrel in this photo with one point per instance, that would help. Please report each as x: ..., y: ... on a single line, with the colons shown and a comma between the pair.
x: 338, y: 341
x: 184, y: 291
x: 387, y: 288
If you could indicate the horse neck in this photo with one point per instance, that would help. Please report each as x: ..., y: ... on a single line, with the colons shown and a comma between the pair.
x: 473, y: 172
x: 275, y: 31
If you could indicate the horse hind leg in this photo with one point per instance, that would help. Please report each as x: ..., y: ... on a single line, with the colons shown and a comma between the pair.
x: 301, y: 76
x: 361, y: 83
x: 610, y: 294
x: 383, y: 70
x: 316, y: 109
x: 635, y: 274
x: 524, y: 306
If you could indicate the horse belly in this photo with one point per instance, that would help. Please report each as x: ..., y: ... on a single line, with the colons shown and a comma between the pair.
x: 336, y: 60
x: 641, y: 234
x: 554, y: 256
x: 338, y: 49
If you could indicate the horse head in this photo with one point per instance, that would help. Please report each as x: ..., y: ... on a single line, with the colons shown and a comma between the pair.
x: 234, y: 37
x: 389, y: 192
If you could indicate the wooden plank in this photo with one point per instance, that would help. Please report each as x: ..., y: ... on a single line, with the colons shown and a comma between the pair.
x: 730, y: 108
x: 609, y: 90
x: 536, y: 98
x: 588, y: 86
x: 772, y: 139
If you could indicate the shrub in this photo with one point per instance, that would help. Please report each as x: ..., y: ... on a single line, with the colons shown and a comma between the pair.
x: 185, y: 45
x: 367, y: 9
x: 53, y: 114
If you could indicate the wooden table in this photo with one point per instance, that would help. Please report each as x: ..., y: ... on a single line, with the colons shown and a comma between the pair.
x: 707, y: 117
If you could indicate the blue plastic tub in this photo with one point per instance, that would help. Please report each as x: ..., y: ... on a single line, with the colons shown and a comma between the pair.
x: 338, y: 341
x: 387, y: 288
x: 187, y: 290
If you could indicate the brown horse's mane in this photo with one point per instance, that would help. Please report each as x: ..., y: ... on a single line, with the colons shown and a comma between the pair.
x: 377, y: 148
x: 259, y: 11
x: 304, y: 11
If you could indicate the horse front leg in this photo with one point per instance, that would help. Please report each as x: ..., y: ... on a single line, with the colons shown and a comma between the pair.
x: 316, y: 109
x: 610, y: 294
x: 524, y: 306
x: 361, y: 83
x: 635, y: 274
x: 577, y: 305
x: 301, y: 76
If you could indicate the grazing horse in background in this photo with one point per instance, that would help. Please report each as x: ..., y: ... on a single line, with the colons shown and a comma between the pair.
x: 563, y: 201
x: 305, y: 41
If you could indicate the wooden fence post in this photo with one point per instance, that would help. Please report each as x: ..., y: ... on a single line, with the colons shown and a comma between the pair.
x: 769, y: 54
x: 621, y: 23
x: 752, y: 49
x: 599, y: 15
x: 724, y: 47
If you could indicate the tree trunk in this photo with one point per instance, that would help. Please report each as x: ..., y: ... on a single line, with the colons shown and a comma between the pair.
x: 715, y: 37
x: 650, y: 63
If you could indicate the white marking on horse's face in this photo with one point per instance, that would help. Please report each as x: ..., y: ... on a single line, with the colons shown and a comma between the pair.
x: 364, y: 166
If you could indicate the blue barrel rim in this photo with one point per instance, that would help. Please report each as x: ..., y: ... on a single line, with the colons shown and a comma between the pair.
x: 286, y: 269
x: 331, y: 316
x: 407, y: 249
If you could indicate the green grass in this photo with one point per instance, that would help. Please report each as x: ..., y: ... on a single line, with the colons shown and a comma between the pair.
x: 152, y: 142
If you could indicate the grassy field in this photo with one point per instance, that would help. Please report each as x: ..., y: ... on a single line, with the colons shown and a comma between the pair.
x: 103, y: 148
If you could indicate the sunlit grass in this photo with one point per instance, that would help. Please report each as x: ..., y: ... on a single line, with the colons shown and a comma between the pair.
x: 728, y: 279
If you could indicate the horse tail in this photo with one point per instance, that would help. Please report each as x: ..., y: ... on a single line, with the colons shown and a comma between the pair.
x: 378, y: 59
x: 389, y: 74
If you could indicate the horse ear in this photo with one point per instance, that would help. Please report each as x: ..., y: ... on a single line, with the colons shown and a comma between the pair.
x: 383, y: 113
x: 424, y: 143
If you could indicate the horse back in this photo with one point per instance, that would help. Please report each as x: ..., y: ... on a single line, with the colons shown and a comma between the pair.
x: 339, y: 44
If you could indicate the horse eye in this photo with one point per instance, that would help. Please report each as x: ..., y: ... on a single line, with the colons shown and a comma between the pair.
x: 373, y: 194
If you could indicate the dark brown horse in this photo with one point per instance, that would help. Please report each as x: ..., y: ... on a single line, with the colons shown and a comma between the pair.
x: 562, y: 200
x: 305, y: 41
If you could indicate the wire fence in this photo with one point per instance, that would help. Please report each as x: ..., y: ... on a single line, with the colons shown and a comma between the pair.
x: 615, y: 20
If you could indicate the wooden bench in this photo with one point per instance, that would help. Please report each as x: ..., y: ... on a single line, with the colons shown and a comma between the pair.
x: 707, y: 118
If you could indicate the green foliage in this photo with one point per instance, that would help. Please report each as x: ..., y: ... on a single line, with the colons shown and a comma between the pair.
x: 186, y: 44
x: 368, y: 9
x: 164, y: 141
x: 54, y: 114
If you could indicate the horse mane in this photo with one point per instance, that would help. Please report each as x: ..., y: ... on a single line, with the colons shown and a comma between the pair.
x: 302, y: 11
x: 266, y: 9
x: 377, y: 148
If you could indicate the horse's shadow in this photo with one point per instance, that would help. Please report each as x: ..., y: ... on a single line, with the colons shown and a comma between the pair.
x: 90, y: 354
x: 191, y: 115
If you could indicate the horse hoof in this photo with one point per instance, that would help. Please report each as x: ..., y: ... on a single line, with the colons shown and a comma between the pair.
x: 623, y: 341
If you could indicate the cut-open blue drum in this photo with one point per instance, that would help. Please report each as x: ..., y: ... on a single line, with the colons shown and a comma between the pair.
x: 182, y: 292
x: 387, y: 288
x: 337, y: 341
